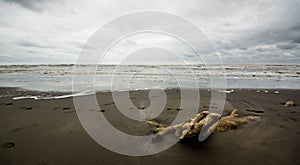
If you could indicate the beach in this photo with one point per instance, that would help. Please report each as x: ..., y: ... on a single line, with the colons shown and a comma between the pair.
x: 48, y: 131
x: 143, y: 82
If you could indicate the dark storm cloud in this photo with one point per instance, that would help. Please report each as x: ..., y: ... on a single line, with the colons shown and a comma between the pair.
x: 287, y: 46
x: 297, y: 40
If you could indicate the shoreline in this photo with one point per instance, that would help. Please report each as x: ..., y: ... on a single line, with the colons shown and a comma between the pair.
x: 19, y: 92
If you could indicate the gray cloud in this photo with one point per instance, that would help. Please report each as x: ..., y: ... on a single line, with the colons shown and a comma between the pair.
x: 287, y: 46
x: 35, y: 5
x: 260, y: 49
x: 297, y: 40
x: 243, y: 31
x: 31, y: 44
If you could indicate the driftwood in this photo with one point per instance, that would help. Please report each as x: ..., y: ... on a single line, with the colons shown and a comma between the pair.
x: 289, y: 103
x: 192, y: 127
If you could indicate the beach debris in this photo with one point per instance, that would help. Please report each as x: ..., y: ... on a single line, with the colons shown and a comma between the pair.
x: 192, y: 127
x: 289, y: 103
x: 276, y: 92
x: 227, y: 91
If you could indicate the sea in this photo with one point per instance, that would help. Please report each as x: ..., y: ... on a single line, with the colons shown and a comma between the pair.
x: 80, y: 78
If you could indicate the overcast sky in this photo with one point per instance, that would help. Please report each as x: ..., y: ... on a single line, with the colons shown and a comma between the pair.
x: 53, y: 31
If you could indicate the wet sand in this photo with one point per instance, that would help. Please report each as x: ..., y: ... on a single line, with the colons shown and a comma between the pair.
x: 49, y: 132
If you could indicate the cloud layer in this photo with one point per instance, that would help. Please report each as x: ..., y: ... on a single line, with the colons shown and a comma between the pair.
x: 47, y: 31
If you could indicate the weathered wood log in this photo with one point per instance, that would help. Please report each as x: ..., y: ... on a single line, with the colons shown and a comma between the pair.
x: 192, y: 127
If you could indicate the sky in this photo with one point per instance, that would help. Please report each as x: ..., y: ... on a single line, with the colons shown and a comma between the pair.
x: 54, y: 31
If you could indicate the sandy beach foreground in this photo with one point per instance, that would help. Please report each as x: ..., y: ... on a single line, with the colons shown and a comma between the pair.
x: 49, y: 132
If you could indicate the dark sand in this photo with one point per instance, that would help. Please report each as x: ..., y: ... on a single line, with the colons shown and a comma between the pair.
x: 49, y: 132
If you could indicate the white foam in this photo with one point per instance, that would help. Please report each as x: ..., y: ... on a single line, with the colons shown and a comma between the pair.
x: 26, y: 97
x: 226, y: 91
x: 84, y: 93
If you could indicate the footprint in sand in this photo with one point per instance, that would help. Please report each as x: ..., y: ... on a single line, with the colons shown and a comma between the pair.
x: 26, y: 108
x: 255, y: 111
x: 41, y: 163
x: 25, y: 127
x: 8, y: 145
x: 95, y: 110
x: 108, y: 104
x: 179, y: 109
